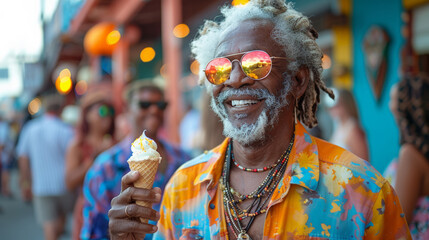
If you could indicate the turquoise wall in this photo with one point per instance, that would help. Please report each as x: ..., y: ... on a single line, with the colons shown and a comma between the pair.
x: 377, y: 120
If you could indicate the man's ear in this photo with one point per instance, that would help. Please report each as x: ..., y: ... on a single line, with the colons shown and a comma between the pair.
x: 302, y: 77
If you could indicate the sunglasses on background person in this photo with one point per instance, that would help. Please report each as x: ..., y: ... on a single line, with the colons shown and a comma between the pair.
x: 106, y: 111
x: 146, y: 104
x: 256, y: 65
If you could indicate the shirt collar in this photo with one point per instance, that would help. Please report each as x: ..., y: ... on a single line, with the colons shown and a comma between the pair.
x: 303, y: 166
x: 212, y: 170
x: 302, y: 170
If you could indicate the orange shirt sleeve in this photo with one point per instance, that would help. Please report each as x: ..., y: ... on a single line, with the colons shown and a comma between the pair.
x: 388, y: 220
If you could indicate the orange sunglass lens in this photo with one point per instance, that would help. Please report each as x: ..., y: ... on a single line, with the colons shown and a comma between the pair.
x: 218, y: 70
x: 256, y: 64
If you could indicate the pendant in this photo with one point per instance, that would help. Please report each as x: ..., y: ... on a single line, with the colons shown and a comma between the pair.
x: 243, y: 236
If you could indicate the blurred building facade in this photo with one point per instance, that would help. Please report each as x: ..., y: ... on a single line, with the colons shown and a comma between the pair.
x: 147, y: 41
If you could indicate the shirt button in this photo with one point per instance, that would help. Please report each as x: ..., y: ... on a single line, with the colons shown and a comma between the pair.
x: 212, y: 206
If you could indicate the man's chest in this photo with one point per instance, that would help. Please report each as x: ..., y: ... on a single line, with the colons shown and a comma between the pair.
x: 300, y: 215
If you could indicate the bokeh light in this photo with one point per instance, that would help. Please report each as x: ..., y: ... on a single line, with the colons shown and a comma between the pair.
x: 239, y: 2
x: 181, y: 30
x: 34, y: 106
x: 326, y: 62
x: 147, y: 54
x: 65, y: 73
x: 113, y: 37
x: 97, y: 40
x: 195, y: 67
x: 63, y: 85
x: 81, y: 87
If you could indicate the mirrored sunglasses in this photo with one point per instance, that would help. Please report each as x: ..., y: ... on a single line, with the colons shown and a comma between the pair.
x: 146, y: 104
x: 256, y: 65
x: 106, y: 111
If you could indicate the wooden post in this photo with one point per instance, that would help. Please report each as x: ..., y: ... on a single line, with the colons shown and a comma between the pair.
x: 120, y: 60
x: 172, y: 55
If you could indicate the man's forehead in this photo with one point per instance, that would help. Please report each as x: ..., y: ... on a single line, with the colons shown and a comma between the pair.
x: 146, y: 93
x: 248, y: 36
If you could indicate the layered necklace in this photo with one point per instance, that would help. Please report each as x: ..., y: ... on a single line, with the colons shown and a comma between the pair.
x: 259, y: 198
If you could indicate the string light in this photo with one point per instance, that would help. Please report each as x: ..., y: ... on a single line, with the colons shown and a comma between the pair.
x: 63, y: 84
x: 326, y: 62
x: 237, y: 3
x: 113, y: 37
x: 147, y: 54
x: 34, y: 106
x: 195, y: 67
x: 81, y: 87
x: 181, y: 30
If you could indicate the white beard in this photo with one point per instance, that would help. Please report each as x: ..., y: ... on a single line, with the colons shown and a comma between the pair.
x: 248, y: 134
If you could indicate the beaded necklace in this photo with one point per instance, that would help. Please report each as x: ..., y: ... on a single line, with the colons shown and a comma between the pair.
x: 234, y: 214
x: 256, y: 169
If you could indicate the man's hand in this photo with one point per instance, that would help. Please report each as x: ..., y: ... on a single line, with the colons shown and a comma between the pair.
x: 125, y: 214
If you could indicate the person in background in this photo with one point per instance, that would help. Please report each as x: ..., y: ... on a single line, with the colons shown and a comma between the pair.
x: 348, y: 132
x: 146, y: 105
x: 6, y: 155
x: 188, y: 129
x: 41, y: 155
x: 409, y: 174
x: 94, y: 134
x: 270, y: 179
x: 210, y: 133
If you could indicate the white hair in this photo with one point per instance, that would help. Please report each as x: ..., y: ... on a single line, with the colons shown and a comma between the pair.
x: 292, y: 31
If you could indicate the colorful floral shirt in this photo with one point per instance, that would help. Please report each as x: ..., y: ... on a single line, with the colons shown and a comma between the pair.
x: 103, y: 183
x: 326, y: 193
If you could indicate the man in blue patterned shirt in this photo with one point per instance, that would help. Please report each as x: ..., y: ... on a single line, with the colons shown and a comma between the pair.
x: 41, y: 151
x: 103, y: 181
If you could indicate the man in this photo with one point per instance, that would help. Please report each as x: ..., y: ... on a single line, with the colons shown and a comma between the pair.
x: 146, y: 107
x: 41, y: 155
x: 269, y: 179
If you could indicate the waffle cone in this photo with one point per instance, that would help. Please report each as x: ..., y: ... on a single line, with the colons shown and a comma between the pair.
x: 147, y: 170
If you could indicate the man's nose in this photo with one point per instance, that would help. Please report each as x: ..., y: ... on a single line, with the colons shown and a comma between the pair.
x: 237, y: 77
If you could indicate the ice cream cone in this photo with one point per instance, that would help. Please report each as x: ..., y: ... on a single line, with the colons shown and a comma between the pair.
x: 147, y: 170
x: 145, y: 160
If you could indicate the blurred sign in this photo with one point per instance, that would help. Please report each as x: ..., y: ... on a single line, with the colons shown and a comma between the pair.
x: 420, y: 30
x: 375, y: 44
x: 33, y: 76
x: 11, y: 79
x: 4, y: 74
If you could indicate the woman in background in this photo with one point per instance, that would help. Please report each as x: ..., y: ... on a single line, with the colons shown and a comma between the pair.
x: 348, y: 133
x: 409, y: 103
x: 94, y: 134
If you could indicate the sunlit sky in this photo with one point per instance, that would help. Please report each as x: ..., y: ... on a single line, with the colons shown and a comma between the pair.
x: 21, y: 27
x: 20, y: 36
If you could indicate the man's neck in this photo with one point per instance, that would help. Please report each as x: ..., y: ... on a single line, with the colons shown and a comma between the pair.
x: 265, y: 153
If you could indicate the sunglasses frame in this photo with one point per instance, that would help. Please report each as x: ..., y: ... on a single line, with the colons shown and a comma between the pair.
x: 240, y: 62
x: 162, y: 105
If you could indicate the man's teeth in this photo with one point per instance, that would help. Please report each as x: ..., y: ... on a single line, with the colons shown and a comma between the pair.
x: 237, y: 103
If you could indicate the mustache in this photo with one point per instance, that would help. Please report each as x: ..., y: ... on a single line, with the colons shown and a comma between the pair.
x: 257, y: 93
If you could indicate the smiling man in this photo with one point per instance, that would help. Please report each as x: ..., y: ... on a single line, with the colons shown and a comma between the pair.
x: 269, y: 179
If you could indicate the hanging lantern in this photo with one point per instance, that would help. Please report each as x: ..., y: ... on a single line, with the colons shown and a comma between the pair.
x: 101, y: 39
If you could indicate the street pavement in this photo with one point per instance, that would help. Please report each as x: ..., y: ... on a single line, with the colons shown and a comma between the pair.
x: 17, y: 220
